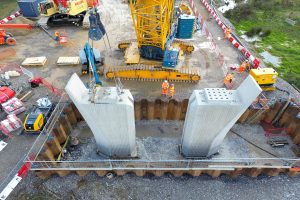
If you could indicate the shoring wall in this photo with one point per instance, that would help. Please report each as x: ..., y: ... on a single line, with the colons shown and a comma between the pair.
x: 171, y: 110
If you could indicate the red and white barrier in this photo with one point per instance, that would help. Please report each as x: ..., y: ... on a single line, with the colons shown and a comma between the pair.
x: 15, y: 181
x: 235, y: 43
x: 11, y: 17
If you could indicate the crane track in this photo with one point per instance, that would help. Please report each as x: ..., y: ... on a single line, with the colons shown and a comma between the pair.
x: 152, y: 73
x: 187, y: 47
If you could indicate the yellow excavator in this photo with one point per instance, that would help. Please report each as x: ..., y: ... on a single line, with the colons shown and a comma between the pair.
x: 64, y: 12
x: 155, y: 54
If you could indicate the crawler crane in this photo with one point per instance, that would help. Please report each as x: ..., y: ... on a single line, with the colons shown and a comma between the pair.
x: 155, y: 54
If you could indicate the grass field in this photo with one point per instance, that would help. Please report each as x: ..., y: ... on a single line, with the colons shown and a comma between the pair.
x: 7, y: 7
x: 283, y: 42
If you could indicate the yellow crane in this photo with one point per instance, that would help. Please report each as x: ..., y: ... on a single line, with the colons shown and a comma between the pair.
x: 155, y: 54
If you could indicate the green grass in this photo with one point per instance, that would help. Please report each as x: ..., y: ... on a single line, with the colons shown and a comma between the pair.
x: 284, y: 39
x: 7, y: 7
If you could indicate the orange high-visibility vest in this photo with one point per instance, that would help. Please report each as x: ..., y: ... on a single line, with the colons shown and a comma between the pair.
x: 228, y: 79
x: 172, y: 91
x: 243, y: 66
x: 164, y: 87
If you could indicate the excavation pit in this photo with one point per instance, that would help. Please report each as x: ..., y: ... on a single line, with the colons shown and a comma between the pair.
x: 244, y: 151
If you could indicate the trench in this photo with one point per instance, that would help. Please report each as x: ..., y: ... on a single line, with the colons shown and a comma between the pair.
x: 161, y: 110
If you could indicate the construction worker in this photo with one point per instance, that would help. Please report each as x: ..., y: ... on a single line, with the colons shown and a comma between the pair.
x: 227, y: 33
x: 244, y: 65
x: 172, y: 90
x: 164, y: 87
x: 57, y: 35
x: 228, y: 80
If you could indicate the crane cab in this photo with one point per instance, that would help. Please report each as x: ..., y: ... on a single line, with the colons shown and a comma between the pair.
x: 48, y: 8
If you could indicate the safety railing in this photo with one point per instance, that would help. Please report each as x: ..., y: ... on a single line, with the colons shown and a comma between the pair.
x: 207, y: 164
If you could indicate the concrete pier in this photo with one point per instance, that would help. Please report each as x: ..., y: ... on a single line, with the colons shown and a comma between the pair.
x: 110, y: 115
x: 211, y: 114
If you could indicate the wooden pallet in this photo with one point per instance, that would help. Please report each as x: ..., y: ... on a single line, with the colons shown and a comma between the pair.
x: 35, y: 61
x: 68, y: 61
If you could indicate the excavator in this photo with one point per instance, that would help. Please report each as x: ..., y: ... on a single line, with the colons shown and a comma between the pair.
x: 64, y: 12
x: 7, y: 38
x: 155, y: 54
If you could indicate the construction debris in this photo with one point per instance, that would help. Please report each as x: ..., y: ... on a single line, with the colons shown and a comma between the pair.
x: 2, y: 145
x: 278, y: 142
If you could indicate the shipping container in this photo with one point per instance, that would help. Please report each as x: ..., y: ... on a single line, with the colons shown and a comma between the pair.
x: 30, y: 8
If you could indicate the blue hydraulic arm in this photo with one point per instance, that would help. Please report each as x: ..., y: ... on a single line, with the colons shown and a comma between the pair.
x: 91, y: 62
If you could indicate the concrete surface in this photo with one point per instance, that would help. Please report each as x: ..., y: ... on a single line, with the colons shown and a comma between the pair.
x: 157, y: 140
x: 211, y: 114
x: 109, y: 114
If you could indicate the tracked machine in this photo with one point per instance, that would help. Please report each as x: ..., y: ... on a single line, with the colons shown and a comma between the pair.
x: 155, y: 55
x: 65, y: 12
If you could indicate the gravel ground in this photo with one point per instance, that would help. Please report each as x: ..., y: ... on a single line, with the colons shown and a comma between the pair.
x: 149, y: 187
x: 157, y: 140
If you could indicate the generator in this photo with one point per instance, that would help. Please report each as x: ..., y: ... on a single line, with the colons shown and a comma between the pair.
x: 265, y: 77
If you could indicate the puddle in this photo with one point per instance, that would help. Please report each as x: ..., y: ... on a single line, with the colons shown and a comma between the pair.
x: 230, y: 5
x: 251, y: 39
x: 271, y: 59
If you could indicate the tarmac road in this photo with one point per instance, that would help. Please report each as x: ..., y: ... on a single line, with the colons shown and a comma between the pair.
x: 167, y: 187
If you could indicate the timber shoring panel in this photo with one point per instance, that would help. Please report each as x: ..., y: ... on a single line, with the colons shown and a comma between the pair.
x: 163, y: 110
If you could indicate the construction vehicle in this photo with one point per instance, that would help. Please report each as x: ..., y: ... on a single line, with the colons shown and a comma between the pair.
x: 84, y: 58
x: 64, y: 12
x: 8, y: 39
x: 265, y: 77
x: 89, y: 52
x: 156, y: 54
x: 37, y: 118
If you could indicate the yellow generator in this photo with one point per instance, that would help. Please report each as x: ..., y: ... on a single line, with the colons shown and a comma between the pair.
x: 62, y: 12
x: 265, y: 77
x: 38, y: 117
